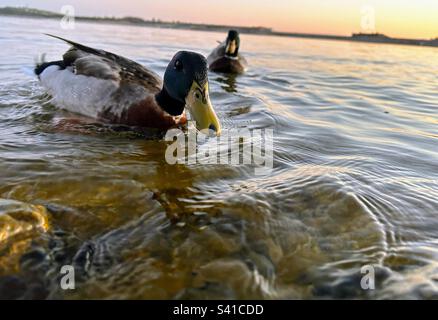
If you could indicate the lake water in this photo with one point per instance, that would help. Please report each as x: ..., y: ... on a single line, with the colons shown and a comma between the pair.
x: 354, y: 180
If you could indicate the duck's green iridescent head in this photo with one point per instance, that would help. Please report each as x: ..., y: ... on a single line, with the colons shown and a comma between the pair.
x: 186, y: 81
x: 232, y: 44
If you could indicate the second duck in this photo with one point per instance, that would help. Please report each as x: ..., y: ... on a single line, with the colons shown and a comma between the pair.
x: 225, y: 57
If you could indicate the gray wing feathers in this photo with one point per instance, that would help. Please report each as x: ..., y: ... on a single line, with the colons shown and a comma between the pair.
x: 97, y: 67
x: 106, y: 65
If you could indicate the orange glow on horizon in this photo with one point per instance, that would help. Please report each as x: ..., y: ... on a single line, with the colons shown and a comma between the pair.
x: 395, y: 18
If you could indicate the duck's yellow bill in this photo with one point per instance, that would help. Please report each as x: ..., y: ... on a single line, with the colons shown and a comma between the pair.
x: 231, y: 48
x: 200, y: 108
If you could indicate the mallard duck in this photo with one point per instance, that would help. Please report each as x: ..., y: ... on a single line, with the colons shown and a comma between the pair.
x: 113, y: 89
x: 226, y: 58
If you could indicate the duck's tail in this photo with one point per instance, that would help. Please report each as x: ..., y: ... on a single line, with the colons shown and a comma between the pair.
x: 41, y: 64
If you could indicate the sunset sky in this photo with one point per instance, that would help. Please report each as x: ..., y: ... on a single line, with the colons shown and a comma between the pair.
x: 398, y: 18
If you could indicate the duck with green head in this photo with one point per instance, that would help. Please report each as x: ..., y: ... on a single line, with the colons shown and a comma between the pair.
x: 226, y: 58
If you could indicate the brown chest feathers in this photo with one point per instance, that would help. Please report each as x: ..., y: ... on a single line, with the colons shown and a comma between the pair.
x: 146, y: 113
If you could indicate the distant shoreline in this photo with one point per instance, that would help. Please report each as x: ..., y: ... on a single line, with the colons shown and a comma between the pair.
x: 134, y: 21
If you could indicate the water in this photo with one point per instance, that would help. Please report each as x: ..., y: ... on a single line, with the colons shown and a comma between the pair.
x: 354, y: 183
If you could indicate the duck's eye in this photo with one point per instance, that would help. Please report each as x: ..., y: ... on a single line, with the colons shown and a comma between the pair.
x: 178, y: 65
x: 197, y: 95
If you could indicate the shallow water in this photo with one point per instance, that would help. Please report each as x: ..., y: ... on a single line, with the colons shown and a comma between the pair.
x: 354, y: 183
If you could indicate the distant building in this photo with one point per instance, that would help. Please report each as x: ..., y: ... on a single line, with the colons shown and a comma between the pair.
x: 370, y: 36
